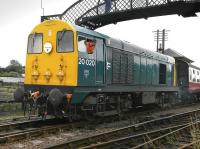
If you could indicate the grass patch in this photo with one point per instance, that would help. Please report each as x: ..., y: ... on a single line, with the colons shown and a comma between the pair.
x: 6, y: 91
x: 11, y: 116
x: 10, y: 111
x: 10, y: 107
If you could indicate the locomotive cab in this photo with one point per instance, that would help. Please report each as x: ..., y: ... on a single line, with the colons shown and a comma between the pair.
x: 51, y: 67
x: 51, y: 55
x: 60, y: 58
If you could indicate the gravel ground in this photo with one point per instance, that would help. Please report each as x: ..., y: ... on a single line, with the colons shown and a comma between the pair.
x: 39, y: 143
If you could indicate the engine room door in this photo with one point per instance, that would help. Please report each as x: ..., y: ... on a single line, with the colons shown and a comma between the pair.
x: 99, y: 61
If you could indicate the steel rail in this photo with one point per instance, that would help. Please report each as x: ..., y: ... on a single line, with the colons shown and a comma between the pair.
x: 189, y: 145
x: 162, y: 137
x: 133, y: 138
x: 152, y: 136
x: 35, y: 132
x: 7, y: 126
x: 136, y: 128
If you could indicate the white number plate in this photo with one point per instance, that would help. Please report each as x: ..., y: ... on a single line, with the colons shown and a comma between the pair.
x: 87, y: 62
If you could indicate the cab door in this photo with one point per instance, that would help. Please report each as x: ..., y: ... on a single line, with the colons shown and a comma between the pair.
x: 99, y: 61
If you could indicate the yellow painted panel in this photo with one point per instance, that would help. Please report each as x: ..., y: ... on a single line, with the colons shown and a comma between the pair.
x: 53, y: 68
x: 175, y: 75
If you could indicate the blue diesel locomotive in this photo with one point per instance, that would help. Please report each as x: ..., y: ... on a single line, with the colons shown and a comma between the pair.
x: 72, y: 71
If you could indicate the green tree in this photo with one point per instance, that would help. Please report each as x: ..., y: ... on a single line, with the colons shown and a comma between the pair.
x: 2, y: 70
x: 14, y: 66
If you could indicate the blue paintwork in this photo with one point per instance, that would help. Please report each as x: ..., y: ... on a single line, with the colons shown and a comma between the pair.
x: 144, y: 68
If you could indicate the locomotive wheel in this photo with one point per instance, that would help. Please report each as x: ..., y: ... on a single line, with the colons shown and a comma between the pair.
x: 56, y: 99
x: 89, y: 115
x: 19, y: 95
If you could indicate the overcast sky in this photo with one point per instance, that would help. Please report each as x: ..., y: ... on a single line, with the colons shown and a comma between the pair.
x: 18, y: 18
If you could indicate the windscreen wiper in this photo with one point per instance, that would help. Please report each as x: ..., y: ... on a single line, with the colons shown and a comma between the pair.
x: 61, y: 35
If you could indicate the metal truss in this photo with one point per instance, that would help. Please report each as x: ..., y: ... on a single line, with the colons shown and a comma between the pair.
x: 94, y: 13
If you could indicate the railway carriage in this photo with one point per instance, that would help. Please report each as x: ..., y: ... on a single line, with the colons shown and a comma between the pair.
x: 188, y: 77
x: 194, y: 79
x: 72, y: 71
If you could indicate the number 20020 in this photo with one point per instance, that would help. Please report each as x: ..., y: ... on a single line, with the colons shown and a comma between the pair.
x: 88, y: 62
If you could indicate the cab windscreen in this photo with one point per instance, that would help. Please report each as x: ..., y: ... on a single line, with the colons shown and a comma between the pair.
x: 35, y: 43
x: 65, y: 41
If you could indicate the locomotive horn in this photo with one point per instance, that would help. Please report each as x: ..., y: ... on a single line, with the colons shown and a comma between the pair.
x: 19, y: 94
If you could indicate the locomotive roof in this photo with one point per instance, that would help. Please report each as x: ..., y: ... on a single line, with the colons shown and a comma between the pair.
x: 89, y: 32
x: 122, y: 45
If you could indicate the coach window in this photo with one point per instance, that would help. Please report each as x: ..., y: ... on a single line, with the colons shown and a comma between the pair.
x: 162, y: 74
x: 193, y: 71
x: 65, y: 41
x: 190, y: 75
x: 35, y: 43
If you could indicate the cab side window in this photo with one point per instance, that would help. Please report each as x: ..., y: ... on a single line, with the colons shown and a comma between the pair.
x: 81, y: 44
x: 86, y: 44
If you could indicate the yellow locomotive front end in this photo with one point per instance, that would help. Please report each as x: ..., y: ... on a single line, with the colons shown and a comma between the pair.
x: 51, y: 69
x: 51, y: 55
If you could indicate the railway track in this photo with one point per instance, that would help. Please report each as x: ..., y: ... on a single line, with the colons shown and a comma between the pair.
x: 141, y: 131
x: 15, y: 131
x: 18, y: 131
x: 12, y: 131
x: 23, y: 124
x: 190, y: 145
x: 26, y: 129
x: 36, y: 132
x: 133, y: 140
x: 180, y: 136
